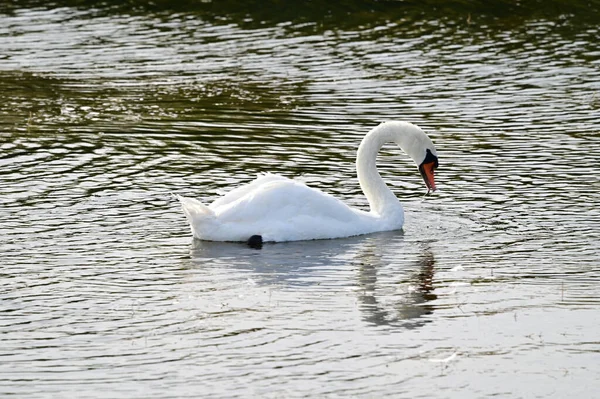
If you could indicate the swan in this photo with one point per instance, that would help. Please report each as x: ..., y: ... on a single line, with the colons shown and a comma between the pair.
x: 273, y: 208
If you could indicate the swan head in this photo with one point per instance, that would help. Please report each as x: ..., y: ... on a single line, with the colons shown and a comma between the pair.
x: 415, y: 142
x: 427, y: 169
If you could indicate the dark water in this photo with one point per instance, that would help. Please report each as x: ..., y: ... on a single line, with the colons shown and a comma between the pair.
x: 492, y: 289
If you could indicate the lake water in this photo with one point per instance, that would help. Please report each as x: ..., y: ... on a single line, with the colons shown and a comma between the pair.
x: 491, y: 289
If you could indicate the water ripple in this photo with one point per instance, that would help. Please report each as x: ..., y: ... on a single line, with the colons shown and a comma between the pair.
x: 104, y: 113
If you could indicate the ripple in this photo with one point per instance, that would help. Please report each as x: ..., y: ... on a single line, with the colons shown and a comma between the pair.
x: 105, y: 112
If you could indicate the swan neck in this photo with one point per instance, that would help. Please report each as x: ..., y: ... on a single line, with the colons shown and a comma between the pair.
x: 410, y: 138
x: 381, y: 199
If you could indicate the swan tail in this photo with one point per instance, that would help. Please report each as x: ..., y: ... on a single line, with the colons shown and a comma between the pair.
x: 194, y: 209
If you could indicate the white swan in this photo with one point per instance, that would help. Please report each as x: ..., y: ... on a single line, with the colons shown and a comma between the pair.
x: 276, y: 208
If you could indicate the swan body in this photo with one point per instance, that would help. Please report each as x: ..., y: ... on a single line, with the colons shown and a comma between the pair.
x: 280, y: 209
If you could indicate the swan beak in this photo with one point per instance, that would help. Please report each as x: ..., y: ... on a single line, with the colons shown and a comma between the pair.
x: 427, y: 171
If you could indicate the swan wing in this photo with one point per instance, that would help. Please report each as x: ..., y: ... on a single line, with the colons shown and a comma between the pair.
x: 285, y: 210
x: 282, y: 199
x: 246, y: 189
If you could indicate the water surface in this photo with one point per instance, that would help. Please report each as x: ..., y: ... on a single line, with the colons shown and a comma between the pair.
x: 491, y: 288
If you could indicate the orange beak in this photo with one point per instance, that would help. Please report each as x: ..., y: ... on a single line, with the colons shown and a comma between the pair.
x: 427, y: 171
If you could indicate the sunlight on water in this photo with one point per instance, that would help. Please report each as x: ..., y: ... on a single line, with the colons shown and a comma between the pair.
x: 105, y: 110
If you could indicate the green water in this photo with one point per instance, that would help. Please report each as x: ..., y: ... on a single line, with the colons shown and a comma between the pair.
x: 108, y: 107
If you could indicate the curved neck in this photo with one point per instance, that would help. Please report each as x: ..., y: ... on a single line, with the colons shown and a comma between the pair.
x: 411, y: 139
x: 381, y: 198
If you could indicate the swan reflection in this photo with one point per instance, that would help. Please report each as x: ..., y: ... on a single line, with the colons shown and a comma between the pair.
x: 396, y: 302
x: 393, y: 279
